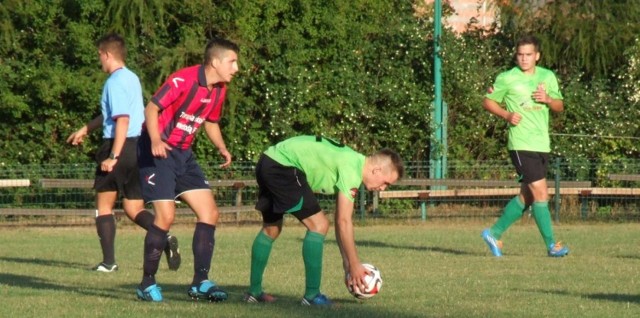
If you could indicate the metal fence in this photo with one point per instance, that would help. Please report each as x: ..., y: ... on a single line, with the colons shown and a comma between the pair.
x: 580, y: 189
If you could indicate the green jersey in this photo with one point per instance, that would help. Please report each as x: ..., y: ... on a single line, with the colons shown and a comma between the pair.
x: 330, y: 167
x: 515, y: 89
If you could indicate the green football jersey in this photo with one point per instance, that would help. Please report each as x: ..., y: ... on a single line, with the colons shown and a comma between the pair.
x: 330, y: 167
x: 515, y: 89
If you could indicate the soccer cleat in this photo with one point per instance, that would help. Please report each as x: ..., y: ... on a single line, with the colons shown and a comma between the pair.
x: 207, y: 290
x: 557, y: 250
x: 151, y: 293
x: 494, y: 245
x: 173, y: 252
x: 263, y: 298
x: 320, y: 300
x: 105, y: 268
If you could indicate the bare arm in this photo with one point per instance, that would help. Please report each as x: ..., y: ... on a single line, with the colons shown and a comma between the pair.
x: 346, y: 242
x: 122, y: 125
x: 158, y: 147
x: 495, y: 108
x: 77, y: 137
x: 215, y: 135
x: 541, y: 96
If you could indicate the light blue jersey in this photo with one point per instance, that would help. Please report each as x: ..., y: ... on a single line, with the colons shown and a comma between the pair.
x: 122, y: 97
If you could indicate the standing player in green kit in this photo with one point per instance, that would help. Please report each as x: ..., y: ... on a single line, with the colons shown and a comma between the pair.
x: 288, y: 175
x: 529, y: 92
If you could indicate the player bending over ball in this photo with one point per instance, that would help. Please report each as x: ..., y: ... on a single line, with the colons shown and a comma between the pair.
x: 288, y: 175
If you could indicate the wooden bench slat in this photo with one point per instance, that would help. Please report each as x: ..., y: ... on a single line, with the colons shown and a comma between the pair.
x: 480, y: 183
x: 88, y: 183
x: 10, y: 183
x: 614, y: 191
x: 624, y: 177
x: 493, y: 192
x: 47, y: 212
x: 66, y: 183
x: 92, y: 212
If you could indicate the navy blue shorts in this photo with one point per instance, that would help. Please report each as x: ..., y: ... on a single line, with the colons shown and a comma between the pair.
x: 165, y: 179
x: 283, y: 190
x: 531, y: 166
x: 124, y: 178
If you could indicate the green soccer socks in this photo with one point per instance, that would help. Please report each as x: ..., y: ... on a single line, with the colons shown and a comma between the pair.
x: 512, y: 212
x: 260, y: 252
x: 312, y: 248
x: 543, y: 220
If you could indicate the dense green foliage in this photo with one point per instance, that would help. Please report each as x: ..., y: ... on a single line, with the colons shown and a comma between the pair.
x: 360, y: 71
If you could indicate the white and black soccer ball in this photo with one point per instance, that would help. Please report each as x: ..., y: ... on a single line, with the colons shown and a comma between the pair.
x: 373, y: 283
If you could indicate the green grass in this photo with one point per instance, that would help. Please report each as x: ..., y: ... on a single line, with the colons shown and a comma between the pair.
x: 430, y: 269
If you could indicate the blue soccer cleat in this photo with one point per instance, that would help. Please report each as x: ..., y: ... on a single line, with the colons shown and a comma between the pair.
x: 320, y: 300
x: 152, y: 293
x: 494, y: 245
x: 557, y: 250
x: 207, y: 290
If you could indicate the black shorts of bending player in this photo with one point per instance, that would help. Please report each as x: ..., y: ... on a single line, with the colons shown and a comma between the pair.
x: 283, y: 190
x: 530, y: 165
x: 124, y: 178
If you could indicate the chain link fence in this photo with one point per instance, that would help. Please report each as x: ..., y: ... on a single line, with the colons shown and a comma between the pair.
x: 580, y: 190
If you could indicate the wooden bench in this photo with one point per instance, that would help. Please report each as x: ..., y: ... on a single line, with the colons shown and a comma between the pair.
x: 12, y: 183
x: 591, y: 193
x: 237, y: 208
x: 624, y: 177
x: 469, y: 188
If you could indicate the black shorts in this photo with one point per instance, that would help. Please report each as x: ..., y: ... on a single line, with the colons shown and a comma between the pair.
x: 165, y: 179
x: 283, y: 190
x: 124, y: 178
x: 530, y: 165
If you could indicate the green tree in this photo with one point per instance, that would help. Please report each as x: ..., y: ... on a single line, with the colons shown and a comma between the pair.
x: 589, y: 36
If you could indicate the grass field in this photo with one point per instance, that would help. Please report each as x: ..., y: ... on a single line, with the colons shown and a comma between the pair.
x: 430, y: 269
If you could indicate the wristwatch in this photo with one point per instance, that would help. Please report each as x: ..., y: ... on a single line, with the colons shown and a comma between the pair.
x: 113, y: 156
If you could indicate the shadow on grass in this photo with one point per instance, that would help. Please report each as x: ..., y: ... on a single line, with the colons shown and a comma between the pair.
x: 634, y: 256
x: 369, y: 243
x: 44, y: 262
x: 23, y: 281
x: 623, y: 298
x: 285, y: 305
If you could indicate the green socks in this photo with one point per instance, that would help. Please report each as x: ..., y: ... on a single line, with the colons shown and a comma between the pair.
x: 543, y: 220
x: 260, y: 252
x: 312, y: 248
x: 512, y: 212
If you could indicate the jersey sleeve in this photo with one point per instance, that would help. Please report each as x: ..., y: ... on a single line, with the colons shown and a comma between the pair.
x: 499, y: 89
x: 170, y: 91
x: 348, y: 182
x: 552, y: 87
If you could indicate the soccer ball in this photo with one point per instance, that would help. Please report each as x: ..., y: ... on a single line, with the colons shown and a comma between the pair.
x: 373, y: 283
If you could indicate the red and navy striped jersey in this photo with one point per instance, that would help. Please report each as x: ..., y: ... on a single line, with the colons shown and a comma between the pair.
x: 185, y: 103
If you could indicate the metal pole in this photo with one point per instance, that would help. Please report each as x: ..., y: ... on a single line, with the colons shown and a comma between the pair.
x: 438, y: 148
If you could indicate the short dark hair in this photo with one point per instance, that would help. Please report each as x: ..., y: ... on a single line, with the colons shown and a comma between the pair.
x: 529, y: 39
x: 216, y: 48
x: 396, y: 161
x: 114, y: 44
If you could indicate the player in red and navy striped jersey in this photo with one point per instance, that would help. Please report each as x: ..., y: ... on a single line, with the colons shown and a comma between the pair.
x: 189, y: 99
